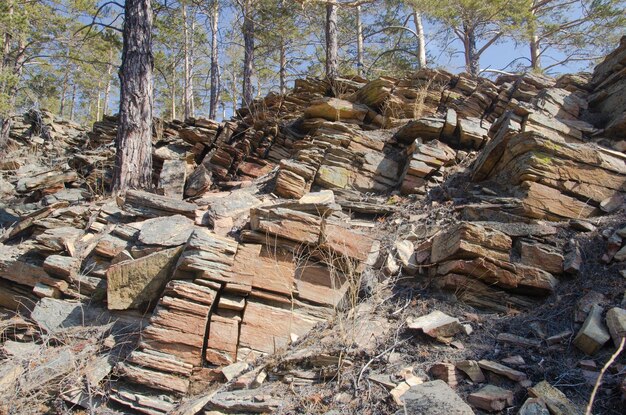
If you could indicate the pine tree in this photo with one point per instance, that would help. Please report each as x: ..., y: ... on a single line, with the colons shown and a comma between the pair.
x: 563, y: 31
x: 133, y: 158
x: 477, y: 24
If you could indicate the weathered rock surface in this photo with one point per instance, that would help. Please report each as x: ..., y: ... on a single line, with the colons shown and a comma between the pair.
x: 433, y: 398
x: 137, y: 282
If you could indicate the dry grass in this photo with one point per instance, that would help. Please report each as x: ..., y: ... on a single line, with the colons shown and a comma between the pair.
x: 44, y: 376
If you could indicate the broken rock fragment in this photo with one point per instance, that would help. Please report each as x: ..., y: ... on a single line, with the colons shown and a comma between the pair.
x: 491, y: 398
x: 557, y: 402
x: 433, y: 398
x: 472, y: 370
x: 436, y: 324
x: 616, y: 321
x: 593, y: 334
x: 502, y: 370
x: 166, y: 231
x: 133, y: 283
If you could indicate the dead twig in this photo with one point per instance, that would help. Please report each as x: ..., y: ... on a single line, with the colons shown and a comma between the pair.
x: 378, y: 356
x: 604, y: 369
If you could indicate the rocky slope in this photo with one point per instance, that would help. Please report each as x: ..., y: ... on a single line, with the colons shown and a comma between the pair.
x: 429, y: 244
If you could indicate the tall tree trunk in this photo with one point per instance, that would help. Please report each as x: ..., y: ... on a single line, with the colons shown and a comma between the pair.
x: 248, y: 58
x: 90, y: 101
x: 98, y: 103
x: 234, y: 93
x: 66, y: 77
x: 5, y: 117
x: 472, y: 60
x: 107, y: 88
x: 18, y: 67
x: 214, y: 97
x: 535, y: 49
x: 192, y: 35
x: 332, y: 45
x: 359, y: 42
x: 421, y: 39
x: 73, y: 100
x: 187, y: 78
x: 133, y: 157
x: 173, y: 92
x: 535, y: 52
x: 283, y: 67
x: 5, y: 63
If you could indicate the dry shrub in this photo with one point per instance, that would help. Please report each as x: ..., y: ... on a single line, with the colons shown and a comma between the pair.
x: 68, y: 364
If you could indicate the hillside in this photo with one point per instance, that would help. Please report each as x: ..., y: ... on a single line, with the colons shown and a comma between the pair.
x: 429, y: 244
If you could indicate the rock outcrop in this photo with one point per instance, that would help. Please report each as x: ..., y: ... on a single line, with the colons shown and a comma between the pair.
x: 268, y: 228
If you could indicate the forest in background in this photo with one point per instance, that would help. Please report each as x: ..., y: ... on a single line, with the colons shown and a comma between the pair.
x: 64, y: 55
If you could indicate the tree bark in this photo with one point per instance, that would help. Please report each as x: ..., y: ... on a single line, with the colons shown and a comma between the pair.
x: 472, y: 59
x: 107, y: 88
x: 421, y: 39
x: 18, y: 68
x: 98, y: 102
x: 535, y: 51
x: 359, y: 42
x: 332, y: 45
x: 5, y: 119
x: 66, y: 77
x: 73, y: 100
x: 214, y: 97
x: 234, y: 89
x: 283, y: 67
x: 192, y: 103
x: 248, y: 59
x: 186, y: 81
x: 173, y: 92
x: 133, y: 158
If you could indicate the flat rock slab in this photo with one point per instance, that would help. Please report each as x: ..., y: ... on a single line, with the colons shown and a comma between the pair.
x: 131, y: 284
x: 557, y: 402
x: 433, y: 398
x: 502, y: 370
x: 56, y: 315
x: 491, y: 398
x: 436, y: 324
x: 150, y: 205
x: 166, y: 231
x: 334, y: 109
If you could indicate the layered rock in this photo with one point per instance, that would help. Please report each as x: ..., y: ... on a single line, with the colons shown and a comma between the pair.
x: 476, y: 262
x: 553, y: 180
x: 607, y: 104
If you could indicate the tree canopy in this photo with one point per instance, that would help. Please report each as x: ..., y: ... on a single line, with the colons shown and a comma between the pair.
x: 64, y: 55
